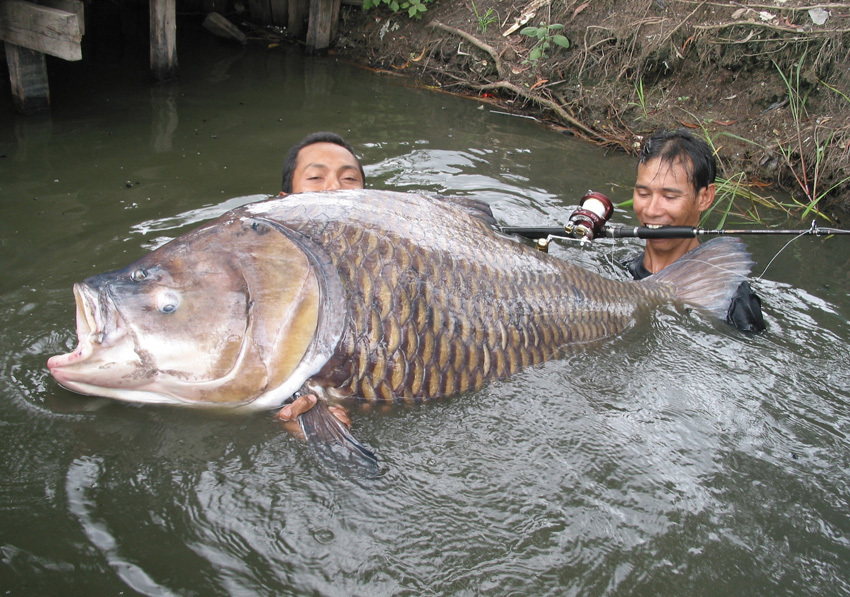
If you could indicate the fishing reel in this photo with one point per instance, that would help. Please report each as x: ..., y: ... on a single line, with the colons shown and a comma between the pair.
x: 588, y: 221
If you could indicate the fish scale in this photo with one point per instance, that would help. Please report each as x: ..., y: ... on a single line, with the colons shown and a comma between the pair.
x: 430, y: 314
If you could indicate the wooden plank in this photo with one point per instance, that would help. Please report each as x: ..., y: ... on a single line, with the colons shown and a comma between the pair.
x: 322, y: 14
x: 218, y: 25
x: 28, y: 75
x: 163, y: 39
x: 41, y: 28
x: 73, y: 6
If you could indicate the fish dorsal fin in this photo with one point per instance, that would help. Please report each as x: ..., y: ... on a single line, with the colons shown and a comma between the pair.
x: 474, y: 207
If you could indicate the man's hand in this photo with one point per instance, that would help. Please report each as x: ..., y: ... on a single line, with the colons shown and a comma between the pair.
x: 289, y: 414
x: 297, y: 407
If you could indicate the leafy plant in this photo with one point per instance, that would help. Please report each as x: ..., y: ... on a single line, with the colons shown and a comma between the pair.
x: 488, y: 18
x: 414, y: 8
x: 807, y: 176
x: 545, y: 38
x: 641, y: 97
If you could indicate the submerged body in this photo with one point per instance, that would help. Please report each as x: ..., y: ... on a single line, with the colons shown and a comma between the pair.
x: 366, y: 294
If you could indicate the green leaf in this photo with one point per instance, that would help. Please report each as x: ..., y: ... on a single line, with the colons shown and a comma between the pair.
x: 394, y: 6
x: 555, y: 27
x: 561, y: 41
x: 529, y: 31
x: 535, y: 55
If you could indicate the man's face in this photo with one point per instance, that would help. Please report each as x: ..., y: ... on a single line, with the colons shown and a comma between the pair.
x: 664, y: 196
x: 325, y: 167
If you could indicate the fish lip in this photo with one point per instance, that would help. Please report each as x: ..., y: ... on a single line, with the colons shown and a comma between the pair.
x: 95, y: 324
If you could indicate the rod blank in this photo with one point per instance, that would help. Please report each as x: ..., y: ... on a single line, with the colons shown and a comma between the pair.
x: 620, y: 231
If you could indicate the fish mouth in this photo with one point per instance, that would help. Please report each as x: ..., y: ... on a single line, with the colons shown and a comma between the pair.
x: 97, y: 327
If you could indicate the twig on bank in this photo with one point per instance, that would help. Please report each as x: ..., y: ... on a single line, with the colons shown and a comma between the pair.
x: 780, y: 28
x: 682, y: 22
x: 836, y: 5
x: 475, y: 42
x: 549, y: 104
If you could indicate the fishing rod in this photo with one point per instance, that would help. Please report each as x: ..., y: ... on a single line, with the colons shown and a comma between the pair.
x: 590, y: 221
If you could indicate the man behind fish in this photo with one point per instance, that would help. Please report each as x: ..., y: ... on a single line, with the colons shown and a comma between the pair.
x: 675, y: 184
x: 321, y: 161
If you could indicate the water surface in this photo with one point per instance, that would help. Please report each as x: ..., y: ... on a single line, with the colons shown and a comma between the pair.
x: 683, y: 457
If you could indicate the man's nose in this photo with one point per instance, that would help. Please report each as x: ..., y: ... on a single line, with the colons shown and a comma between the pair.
x: 653, y: 206
x: 333, y: 184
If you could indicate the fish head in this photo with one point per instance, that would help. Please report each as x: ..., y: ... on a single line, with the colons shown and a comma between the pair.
x: 220, y: 316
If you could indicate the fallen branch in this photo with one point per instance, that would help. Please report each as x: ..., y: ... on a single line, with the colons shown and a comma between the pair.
x: 780, y: 28
x: 793, y: 8
x: 546, y: 103
x: 475, y: 42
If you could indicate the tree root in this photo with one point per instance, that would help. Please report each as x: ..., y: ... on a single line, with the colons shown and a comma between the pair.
x: 561, y: 113
x: 475, y: 42
x: 544, y: 102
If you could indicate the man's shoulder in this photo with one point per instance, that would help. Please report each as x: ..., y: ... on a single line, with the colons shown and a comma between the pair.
x: 745, y: 310
x: 635, y: 267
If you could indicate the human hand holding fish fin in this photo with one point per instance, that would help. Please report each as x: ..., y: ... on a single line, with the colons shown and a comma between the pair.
x: 326, y: 431
x: 291, y: 411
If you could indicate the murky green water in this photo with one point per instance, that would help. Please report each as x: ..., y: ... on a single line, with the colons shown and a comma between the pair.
x: 683, y: 458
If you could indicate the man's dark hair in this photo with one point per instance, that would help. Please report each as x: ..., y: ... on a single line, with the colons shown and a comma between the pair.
x: 320, y: 137
x: 681, y: 145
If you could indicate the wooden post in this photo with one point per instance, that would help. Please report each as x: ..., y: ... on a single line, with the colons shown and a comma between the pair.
x: 322, y: 14
x: 163, y: 39
x: 297, y: 15
x: 261, y: 11
x: 28, y: 74
x: 280, y: 12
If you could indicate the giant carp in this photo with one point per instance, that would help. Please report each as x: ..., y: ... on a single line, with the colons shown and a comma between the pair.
x: 366, y: 294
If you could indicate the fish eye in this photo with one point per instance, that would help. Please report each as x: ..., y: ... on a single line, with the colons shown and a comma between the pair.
x: 167, y: 302
x: 138, y: 275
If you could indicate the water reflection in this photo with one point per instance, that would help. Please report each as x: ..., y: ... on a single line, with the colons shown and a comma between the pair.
x: 164, y: 118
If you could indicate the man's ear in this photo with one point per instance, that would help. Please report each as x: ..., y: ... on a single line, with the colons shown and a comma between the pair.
x: 705, y: 197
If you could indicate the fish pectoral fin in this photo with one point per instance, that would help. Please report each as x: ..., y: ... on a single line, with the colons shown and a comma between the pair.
x: 331, y: 441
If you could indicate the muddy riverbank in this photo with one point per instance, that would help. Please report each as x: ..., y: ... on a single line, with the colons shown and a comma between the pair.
x: 769, y: 84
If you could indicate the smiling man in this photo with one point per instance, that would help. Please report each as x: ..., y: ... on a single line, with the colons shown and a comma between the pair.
x: 321, y: 162
x: 675, y: 184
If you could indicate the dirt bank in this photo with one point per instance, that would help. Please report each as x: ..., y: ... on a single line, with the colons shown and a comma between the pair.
x: 636, y: 65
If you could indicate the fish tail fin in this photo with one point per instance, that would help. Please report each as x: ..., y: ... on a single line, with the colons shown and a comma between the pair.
x: 708, y: 276
x: 331, y: 441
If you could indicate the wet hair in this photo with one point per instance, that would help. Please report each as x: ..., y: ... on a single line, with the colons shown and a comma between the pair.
x: 320, y: 137
x: 681, y: 146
